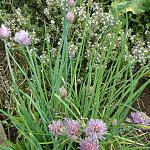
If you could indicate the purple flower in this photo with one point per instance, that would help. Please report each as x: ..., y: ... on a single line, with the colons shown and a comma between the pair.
x: 140, y: 118
x: 71, y: 2
x: 72, y: 128
x: 22, y: 37
x: 4, y: 32
x: 96, y: 129
x: 89, y: 144
x: 70, y: 17
x: 56, y: 128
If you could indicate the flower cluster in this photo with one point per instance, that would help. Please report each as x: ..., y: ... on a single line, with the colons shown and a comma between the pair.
x: 94, y: 131
x: 140, y: 51
x: 17, y: 21
x: 69, y: 126
x: 21, y: 37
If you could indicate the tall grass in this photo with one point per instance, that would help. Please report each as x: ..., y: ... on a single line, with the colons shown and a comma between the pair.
x: 106, y: 92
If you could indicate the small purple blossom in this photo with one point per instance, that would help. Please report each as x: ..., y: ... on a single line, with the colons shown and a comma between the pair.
x: 56, y: 128
x: 71, y: 2
x: 4, y: 32
x: 140, y: 118
x: 23, y: 38
x: 89, y: 144
x: 72, y: 128
x: 70, y: 17
x: 96, y: 128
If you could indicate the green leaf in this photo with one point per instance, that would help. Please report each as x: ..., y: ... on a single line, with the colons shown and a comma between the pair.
x: 134, y: 6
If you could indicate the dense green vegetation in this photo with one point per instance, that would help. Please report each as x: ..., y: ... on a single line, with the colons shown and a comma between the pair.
x: 83, y: 65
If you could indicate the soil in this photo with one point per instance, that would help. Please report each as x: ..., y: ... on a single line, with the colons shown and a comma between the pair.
x: 143, y: 102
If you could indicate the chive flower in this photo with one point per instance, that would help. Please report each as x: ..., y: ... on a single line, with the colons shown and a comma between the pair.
x: 71, y: 2
x: 89, y: 144
x: 70, y: 17
x: 96, y: 129
x: 72, y: 128
x: 4, y: 32
x: 23, y: 38
x: 56, y: 128
x: 140, y: 118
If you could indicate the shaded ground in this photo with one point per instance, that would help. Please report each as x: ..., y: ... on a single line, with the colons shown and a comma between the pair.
x: 143, y: 102
x: 3, y: 78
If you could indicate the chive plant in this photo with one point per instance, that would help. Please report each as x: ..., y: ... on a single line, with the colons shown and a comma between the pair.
x: 106, y: 92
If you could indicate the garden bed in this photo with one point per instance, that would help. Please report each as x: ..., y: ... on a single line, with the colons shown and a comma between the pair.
x: 75, y: 75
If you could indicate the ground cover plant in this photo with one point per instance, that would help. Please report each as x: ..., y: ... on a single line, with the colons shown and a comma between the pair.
x: 73, y: 85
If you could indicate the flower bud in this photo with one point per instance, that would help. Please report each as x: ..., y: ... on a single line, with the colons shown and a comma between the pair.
x: 71, y: 2
x: 4, y: 32
x: 22, y: 37
x: 70, y: 17
x: 63, y: 92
